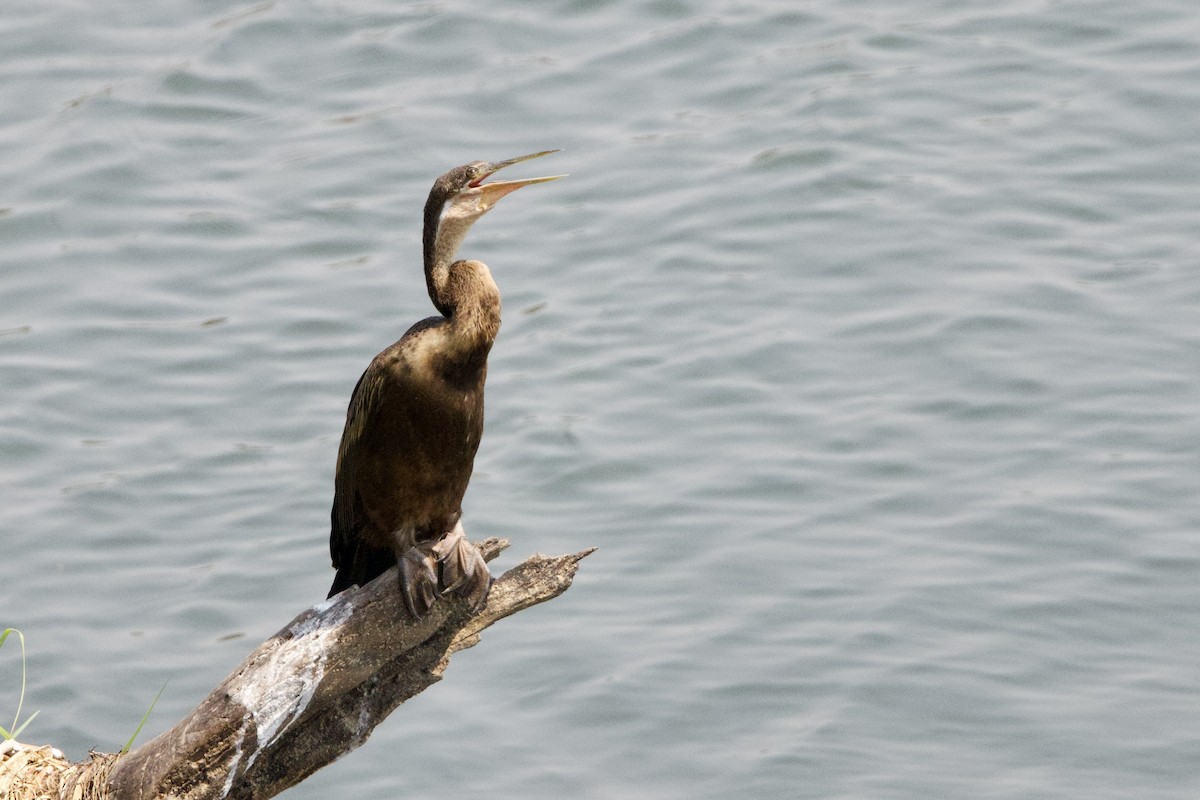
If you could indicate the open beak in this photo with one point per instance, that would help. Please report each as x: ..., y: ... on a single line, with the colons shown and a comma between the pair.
x: 497, y: 189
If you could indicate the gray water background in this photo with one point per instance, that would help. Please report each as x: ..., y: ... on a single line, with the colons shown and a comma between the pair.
x: 863, y: 340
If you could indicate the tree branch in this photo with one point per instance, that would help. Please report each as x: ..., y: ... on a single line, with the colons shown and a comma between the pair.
x: 314, y: 691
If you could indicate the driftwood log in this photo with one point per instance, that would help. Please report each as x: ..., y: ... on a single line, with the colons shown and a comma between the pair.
x: 306, y: 696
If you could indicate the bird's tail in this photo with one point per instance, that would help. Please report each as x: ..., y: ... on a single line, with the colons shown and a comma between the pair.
x: 364, y: 565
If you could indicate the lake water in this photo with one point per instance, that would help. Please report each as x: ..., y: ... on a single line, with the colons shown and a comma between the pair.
x: 863, y: 340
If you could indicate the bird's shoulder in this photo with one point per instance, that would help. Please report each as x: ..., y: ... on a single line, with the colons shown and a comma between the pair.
x: 402, y: 362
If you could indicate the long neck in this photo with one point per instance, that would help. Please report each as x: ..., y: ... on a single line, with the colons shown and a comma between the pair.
x: 436, y: 268
x: 449, y: 235
x: 475, y: 313
x: 463, y: 291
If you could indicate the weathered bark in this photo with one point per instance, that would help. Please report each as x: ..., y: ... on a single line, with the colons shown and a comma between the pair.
x: 313, y: 692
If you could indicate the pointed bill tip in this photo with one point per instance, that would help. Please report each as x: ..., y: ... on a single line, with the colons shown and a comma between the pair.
x: 497, y: 189
x: 508, y: 162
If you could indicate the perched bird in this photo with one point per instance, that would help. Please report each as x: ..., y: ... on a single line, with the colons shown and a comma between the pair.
x: 416, y: 416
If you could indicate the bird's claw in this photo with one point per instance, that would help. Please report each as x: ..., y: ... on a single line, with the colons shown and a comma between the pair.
x: 418, y: 579
x: 452, y: 565
x: 463, y: 570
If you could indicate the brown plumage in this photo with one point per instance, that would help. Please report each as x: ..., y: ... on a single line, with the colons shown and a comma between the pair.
x: 416, y: 417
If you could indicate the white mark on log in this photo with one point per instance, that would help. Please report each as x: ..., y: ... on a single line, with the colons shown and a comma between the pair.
x: 234, y: 761
x: 286, y: 680
x: 324, y: 605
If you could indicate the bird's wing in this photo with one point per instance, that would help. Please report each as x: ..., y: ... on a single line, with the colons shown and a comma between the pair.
x: 356, y: 558
x: 348, y: 516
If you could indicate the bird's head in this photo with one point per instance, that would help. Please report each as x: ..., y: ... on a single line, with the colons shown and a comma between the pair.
x: 457, y: 200
x: 465, y: 196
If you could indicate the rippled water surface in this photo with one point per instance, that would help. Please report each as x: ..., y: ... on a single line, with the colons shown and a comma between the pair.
x: 863, y: 340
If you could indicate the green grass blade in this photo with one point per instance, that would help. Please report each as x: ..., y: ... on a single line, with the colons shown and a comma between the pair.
x: 145, y: 717
x: 17, y: 732
x: 17, y: 725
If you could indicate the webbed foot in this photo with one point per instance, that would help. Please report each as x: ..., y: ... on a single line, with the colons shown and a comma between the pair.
x: 418, y: 579
x: 463, y: 570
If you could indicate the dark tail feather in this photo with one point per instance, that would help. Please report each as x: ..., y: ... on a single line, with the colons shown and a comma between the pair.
x: 360, y: 567
x: 341, y: 582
